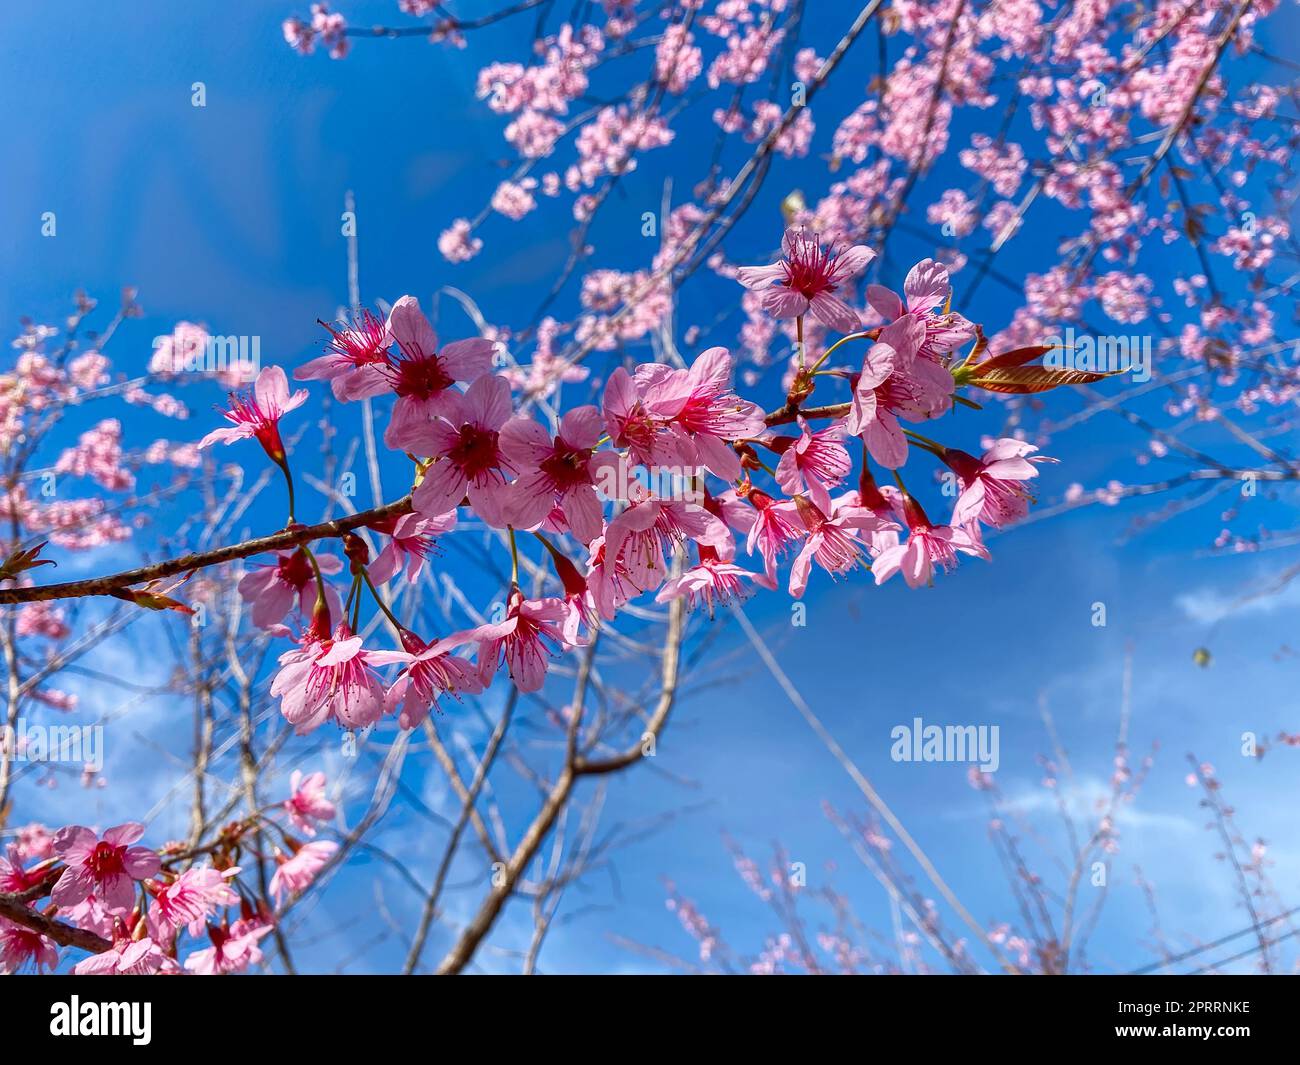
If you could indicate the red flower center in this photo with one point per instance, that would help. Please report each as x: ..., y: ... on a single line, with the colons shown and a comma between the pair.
x: 476, y: 453
x: 567, y: 466
x: 421, y: 377
x: 365, y: 342
x: 809, y: 270
x: 295, y: 570
x: 106, y: 860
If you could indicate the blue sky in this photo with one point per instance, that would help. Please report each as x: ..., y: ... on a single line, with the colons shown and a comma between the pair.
x: 229, y: 215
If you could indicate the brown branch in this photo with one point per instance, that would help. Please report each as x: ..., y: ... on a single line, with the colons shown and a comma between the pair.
x: 16, y: 908
x: 790, y: 412
x: 505, y: 879
x: 293, y: 536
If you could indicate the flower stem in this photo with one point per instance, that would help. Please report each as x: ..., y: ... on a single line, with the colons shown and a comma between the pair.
x: 321, y: 604
x: 842, y: 340
x: 926, y: 442
x: 380, y: 600
x: 514, y: 556
x: 283, y: 463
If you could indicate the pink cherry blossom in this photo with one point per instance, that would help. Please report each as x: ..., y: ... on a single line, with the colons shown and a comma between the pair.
x: 258, y: 415
x: 331, y: 680
x: 14, y: 879
x: 431, y: 670
x: 307, y: 803
x: 776, y: 528
x: 714, y: 580
x: 809, y: 278
x: 21, y: 947
x: 896, y: 382
x: 925, y: 288
x: 293, y: 875
x: 189, y: 899
x: 833, y: 541
x: 638, y: 537
x: 710, y: 413
x: 105, y: 868
x: 531, y: 632
x: 272, y: 590
x: 422, y: 375
x: 608, y: 583
x: 412, y: 539
x: 127, y: 957
x: 927, y: 547
x: 816, y: 462
x: 993, y: 490
x: 356, y: 359
x: 233, y: 949
x: 555, y: 469
x: 464, y: 442
x: 638, y: 414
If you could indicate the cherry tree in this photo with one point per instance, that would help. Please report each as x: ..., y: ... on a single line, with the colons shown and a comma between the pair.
x: 626, y: 474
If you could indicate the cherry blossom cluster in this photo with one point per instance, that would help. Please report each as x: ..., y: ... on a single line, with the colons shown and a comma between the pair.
x: 583, y: 484
x: 153, y: 906
x: 1109, y: 119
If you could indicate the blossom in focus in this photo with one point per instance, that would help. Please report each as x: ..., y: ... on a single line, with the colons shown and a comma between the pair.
x: 710, y: 413
x: 422, y: 375
x: 925, y: 288
x: 273, y: 589
x: 814, y: 462
x: 532, y: 627
x: 993, y: 486
x: 637, y: 538
x: 833, y: 541
x: 464, y: 442
x: 712, y: 581
x: 431, y: 671
x: 331, y: 679
x: 927, y: 547
x: 776, y: 528
x: 559, y: 469
x: 412, y: 538
x: 355, y: 359
x: 807, y: 278
x: 257, y: 414
x: 106, y: 868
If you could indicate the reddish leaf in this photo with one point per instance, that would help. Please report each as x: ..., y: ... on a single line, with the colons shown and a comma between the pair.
x: 151, y: 600
x: 1015, y: 357
x: 1024, y: 380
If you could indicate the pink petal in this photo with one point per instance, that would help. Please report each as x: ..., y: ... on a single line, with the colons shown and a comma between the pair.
x: 927, y: 285
x: 442, y: 489
x: 467, y: 360
x: 581, y: 427
x: 758, y: 276
x: 125, y: 834
x: 784, y: 303
x: 526, y: 443
x: 272, y: 389
x: 834, y: 313
x: 410, y: 328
